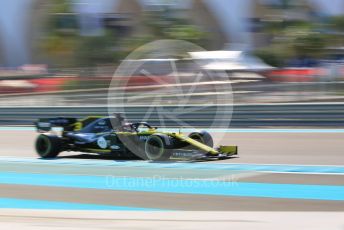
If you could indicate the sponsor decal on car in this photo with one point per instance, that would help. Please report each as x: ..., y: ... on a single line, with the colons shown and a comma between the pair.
x: 102, y: 143
x: 115, y: 147
x: 143, y: 138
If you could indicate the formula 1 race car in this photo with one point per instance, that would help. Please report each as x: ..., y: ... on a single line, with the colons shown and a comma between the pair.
x: 111, y: 135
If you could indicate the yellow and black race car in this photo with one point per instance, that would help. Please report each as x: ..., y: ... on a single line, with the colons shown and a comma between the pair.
x: 111, y: 135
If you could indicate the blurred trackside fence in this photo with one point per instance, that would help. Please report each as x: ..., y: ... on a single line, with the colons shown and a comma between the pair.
x: 257, y: 115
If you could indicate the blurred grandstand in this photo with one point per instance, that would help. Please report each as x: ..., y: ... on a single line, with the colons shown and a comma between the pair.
x: 65, y: 52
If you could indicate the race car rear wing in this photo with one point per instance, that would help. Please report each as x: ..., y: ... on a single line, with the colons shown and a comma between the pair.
x: 46, y: 124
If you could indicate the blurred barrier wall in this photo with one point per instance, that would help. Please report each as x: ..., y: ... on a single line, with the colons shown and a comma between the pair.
x: 258, y: 116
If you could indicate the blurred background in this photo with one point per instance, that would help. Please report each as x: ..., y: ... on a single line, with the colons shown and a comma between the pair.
x: 65, y: 52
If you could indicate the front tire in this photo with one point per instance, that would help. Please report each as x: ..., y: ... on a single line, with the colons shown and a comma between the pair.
x: 156, y: 148
x: 48, y: 146
x: 203, y: 137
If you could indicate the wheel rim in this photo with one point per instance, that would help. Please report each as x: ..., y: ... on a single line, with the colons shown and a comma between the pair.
x: 154, y: 148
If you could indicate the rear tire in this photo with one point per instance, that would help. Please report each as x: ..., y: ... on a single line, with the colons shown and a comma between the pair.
x: 48, y: 146
x: 156, y: 148
x: 203, y: 137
